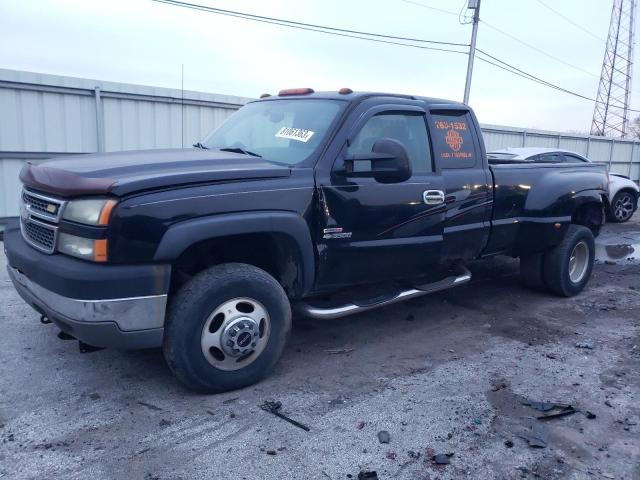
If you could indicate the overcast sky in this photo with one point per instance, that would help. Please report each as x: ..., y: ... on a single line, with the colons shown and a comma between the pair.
x: 145, y: 42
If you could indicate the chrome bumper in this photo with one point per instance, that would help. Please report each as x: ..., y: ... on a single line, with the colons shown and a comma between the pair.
x: 128, y: 314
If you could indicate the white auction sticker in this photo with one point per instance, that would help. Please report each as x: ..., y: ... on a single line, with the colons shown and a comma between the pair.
x: 298, y: 134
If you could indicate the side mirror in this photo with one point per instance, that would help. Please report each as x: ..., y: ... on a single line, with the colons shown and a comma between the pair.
x: 389, y: 162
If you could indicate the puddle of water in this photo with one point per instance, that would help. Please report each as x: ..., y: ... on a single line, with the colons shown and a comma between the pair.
x: 625, y: 247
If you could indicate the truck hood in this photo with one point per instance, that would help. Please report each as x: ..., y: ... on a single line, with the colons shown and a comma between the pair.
x: 122, y: 173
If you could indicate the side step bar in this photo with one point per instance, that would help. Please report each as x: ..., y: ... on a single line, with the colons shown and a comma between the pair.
x: 343, y: 310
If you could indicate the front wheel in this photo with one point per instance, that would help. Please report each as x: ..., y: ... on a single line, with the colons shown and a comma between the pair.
x: 226, y: 328
x: 567, y: 268
x: 622, y: 206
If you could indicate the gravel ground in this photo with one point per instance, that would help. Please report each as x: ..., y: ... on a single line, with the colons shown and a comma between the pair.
x: 445, y: 373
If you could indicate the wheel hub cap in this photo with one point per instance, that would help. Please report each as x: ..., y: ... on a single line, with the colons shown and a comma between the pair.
x: 239, y: 336
x: 623, y: 208
x: 235, y: 333
x: 579, y: 262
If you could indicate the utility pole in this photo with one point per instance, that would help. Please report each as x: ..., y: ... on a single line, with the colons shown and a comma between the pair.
x: 475, y: 6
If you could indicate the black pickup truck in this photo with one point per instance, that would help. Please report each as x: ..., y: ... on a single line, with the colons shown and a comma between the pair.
x: 323, y: 203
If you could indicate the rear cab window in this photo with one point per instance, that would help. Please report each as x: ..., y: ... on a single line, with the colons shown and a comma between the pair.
x: 453, y: 142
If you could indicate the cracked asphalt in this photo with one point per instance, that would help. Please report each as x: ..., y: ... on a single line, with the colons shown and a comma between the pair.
x: 445, y: 373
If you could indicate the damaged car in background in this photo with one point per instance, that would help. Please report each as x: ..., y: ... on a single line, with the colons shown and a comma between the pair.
x: 326, y: 204
x: 622, y: 193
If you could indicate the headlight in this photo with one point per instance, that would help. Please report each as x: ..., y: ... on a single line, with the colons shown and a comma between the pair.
x: 90, y: 211
x: 85, y: 248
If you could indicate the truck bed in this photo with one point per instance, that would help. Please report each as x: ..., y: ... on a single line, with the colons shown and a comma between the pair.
x: 529, y: 199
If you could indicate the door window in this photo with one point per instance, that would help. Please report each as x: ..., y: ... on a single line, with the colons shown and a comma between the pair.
x: 453, y: 140
x: 408, y: 129
x: 549, y: 158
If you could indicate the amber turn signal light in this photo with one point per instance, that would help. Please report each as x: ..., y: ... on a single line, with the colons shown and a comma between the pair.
x: 295, y: 91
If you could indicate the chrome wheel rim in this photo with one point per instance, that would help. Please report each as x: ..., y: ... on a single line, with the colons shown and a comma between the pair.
x: 623, y: 208
x: 578, y: 262
x: 235, y: 333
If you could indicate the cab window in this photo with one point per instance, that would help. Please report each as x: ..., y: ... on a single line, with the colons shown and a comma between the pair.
x: 453, y: 140
x: 408, y: 129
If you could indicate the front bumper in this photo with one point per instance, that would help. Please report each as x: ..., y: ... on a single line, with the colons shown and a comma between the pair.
x: 86, y: 301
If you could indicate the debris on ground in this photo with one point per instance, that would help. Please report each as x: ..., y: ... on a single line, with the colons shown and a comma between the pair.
x: 391, y: 455
x: 561, y: 411
x: 536, y: 435
x: 271, y: 452
x: 339, y: 351
x: 498, y: 386
x: 384, y: 436
x: 555, y: 410
x: 585, y: 345
x: 442, y: 458
x: 164, y: 423
x: 150, y: 406
x: 363, y: 475
x: 508, y: 443
x: 361, y: 425
x: 274, y: 408
x: 230, y: 400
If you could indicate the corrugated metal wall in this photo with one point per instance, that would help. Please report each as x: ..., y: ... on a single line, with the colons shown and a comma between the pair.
x: 622, y: 156
x: 42, y: 116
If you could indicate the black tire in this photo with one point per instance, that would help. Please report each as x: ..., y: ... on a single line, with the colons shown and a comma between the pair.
x: 190, y: 309
x: 556, y: 268
x: 531, y: 275
x: 622, y: 206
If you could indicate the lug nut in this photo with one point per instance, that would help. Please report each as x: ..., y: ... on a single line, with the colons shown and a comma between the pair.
x: 253, y: 344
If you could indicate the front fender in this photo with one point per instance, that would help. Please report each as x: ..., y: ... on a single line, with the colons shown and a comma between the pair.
x: 180, y: 236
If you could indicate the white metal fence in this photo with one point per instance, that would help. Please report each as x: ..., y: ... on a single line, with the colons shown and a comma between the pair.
x: 43, y: 116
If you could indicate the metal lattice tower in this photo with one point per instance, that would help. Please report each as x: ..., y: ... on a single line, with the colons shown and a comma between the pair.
x: 611, y: 113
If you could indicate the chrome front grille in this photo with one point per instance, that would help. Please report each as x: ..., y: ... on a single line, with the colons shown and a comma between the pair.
x: 40, y: 235
x: 39, y: 215
x: 42, y: 206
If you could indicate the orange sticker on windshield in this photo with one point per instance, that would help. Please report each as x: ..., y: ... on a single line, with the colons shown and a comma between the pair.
x: 454, y: 140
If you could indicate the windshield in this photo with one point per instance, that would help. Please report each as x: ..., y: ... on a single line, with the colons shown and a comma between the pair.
x: 281, y: 131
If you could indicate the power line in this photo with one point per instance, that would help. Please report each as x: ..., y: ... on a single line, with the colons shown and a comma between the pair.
x: 379, y: 38
x: 567, y: 19
x: 422, y: 5
x: 533, y: 47
x: 530, y: 76
x: 302, y: 25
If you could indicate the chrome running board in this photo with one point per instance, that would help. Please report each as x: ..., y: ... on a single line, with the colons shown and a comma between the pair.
x: 321, y: 313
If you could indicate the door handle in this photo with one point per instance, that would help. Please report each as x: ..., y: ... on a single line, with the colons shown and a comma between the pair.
x: 433, y: 197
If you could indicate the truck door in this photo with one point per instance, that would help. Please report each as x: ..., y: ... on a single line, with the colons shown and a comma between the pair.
x: 458, y: 156
x: 371, y: 230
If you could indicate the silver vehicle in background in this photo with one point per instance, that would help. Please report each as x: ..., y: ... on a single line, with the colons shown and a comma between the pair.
x: 623, y: 192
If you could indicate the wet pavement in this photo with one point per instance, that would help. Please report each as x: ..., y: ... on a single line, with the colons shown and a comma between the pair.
x: 613, y: 247
x: 444, y: 375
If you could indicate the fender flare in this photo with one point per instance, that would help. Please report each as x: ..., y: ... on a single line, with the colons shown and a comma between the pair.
x: 180, y: 236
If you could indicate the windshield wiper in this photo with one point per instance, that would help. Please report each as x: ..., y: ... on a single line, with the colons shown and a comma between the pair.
x: 199, y: 145
x: 240, y: 150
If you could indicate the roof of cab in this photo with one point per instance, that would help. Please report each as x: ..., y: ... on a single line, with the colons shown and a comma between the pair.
x: 359, y: 96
